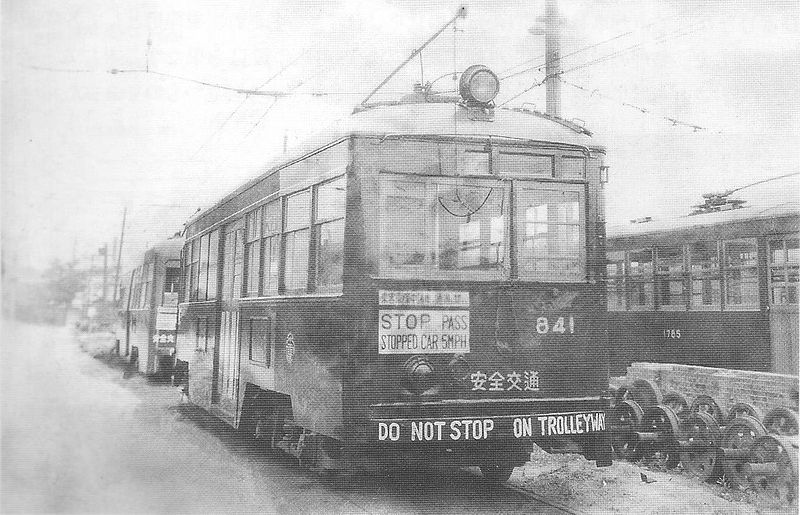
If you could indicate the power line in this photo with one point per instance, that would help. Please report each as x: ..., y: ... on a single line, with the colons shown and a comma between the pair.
x: 642, y: 110
x: 228, y: 118
x: 583, y: 49
x: 534, y: 85
x: 613, y: 55
x: 249, y: 92
x: 606, y: 57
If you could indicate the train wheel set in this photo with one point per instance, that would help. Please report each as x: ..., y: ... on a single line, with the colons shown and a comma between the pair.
x: 744, y: 449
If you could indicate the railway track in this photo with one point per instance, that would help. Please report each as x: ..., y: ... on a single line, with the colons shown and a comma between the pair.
x: 748, y: 450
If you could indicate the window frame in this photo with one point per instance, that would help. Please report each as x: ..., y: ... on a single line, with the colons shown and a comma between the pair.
x: 289, y: 233
x: 252, y: 243
x: 269, y: 344
x: 618, y: 279
x: 703, y: 274
x: 518, y: 243
x: 663, y: 278
x: 317, y: 227
x: 750, y: 267
x: 785, y: 266
x: 644, y: 277
x: 431, y: 271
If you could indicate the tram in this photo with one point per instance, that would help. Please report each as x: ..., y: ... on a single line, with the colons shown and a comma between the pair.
x: 716, y: 288
x: 151, y: 310
x: 424, y: 284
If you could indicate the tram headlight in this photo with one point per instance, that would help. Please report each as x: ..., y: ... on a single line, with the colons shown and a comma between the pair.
x: 478, y: 84
x: 419, y: 373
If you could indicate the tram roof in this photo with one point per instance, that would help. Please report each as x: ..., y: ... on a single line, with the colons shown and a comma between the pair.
x: 779, y: 199
x: 169, y: 248
x: 447, y: 119
x: 431, y: 119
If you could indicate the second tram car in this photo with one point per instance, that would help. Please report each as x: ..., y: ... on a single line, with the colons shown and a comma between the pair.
x: 717, y: 288
x: 151, y: 310
x: 424, y: 285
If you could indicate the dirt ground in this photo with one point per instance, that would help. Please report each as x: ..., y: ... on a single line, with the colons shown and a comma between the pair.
x: 131, y: 438
x: 578, y: 484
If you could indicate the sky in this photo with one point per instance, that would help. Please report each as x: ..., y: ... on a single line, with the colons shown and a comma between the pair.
x: 81, y: 144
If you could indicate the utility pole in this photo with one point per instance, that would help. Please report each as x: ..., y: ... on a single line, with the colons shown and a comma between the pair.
x: 550, y: 26
x: 119, y: 253
x: 105, y: 269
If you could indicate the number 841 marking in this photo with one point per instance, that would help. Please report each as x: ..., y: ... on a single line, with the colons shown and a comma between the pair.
x: 560, y: 325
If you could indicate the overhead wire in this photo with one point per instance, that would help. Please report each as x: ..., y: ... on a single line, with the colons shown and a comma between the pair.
x: 241, y: 104
x: 661, y: 39
x: 642, y: 110
x: 562, y: 57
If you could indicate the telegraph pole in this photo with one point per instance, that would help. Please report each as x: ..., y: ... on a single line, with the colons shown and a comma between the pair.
x: 119, y: 252
x: 550, y: 26
x: 105, y: 269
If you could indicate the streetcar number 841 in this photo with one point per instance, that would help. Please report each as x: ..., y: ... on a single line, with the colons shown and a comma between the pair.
x: 559, y: 325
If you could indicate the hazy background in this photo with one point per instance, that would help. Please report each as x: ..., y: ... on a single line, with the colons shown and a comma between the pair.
x: 79, y: 143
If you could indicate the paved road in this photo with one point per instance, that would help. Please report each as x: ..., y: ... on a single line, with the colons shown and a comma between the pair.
x: 77, y: 437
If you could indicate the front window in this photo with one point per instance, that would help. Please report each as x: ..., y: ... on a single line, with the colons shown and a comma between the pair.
x: 458, y: 228
x: 455, y: 227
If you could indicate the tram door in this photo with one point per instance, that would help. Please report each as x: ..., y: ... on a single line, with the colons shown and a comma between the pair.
x: 226, y: 380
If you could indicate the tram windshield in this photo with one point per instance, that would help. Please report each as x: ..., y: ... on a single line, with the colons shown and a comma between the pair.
x: 448, y: 225
x: 458, y: 228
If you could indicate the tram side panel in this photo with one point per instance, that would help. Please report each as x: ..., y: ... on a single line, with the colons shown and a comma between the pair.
x: 297, y: 348
x: 140, y: 322
x: 737, y: 339
x: 197, y: 346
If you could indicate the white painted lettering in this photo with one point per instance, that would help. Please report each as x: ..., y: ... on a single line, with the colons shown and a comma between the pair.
x: 439, y: 426
x: 455, y: 431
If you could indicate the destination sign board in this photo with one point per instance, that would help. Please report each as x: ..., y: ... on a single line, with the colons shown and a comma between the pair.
x: 424, y: 331
x: 428, y: 298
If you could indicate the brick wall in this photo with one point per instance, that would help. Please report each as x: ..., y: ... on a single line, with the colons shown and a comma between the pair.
x: 762, y: 390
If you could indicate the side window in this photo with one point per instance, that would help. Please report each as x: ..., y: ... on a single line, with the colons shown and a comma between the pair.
x: 329, y: 236
x: 704, y: 271
x: 136, y: 288
x: 296, y: 237
x: 194, y: 265
x: 741, y: 275
x: 147, y: 285
x: 615, y: 272
x: 201, y: 335
x: 213, y: 262
x: 202, y: 281
x: 271, y: 247
x: 670, y: 281
x: 170, y: 293
x: 784, y: 261
x: 259, y: 334
x: 252, y: 249
x: 640, y: 280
